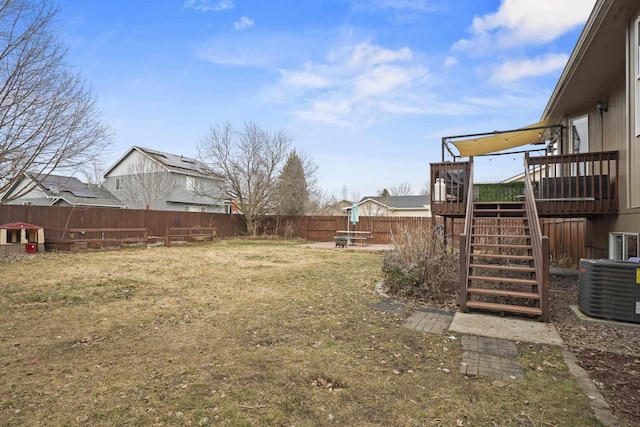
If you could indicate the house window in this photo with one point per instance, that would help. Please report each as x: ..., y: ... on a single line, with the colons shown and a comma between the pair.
x: 579, y: 140
x: 623, y: 246
x: 119, y: 184
x: 192, y: 183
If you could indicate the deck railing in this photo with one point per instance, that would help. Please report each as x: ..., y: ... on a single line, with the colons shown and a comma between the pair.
x: 578, y: 184
x: 465, y: 239
x: 539, y: 245
x: 450, y: 188
x: 565, y: 185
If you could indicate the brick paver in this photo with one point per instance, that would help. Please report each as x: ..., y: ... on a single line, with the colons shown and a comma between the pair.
x: 490, y: 356
x: 430, y: 320
x: 480, y: 355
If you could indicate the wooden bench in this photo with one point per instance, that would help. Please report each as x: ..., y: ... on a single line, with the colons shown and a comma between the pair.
x: 190, y: 235
x: 75, y: 239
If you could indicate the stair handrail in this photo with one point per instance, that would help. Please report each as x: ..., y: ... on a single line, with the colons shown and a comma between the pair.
x: 465, y: 239
x: 539, y: 243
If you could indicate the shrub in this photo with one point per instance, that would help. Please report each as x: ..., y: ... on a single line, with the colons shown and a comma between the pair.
x: 420, y: 265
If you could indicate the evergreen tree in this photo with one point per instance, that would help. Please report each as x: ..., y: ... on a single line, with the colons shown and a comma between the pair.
x: 293, y: 190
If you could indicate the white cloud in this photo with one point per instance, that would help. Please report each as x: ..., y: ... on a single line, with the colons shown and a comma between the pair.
x: 243, y: 23
x: 340, y: 80
x: 332, y: 111
x: 450, y: 61
x: 526, y: 22
x: 382, y: 80
x: 367, y: 55
x: 304, y: 79
x: 356, y: 84
x: 209, y: 5
x: 510, y: 71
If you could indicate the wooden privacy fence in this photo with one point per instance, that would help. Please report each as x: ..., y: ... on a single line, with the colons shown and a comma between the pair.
x: 566, y: 236
x: 157, y: 222
x: 323, y: 228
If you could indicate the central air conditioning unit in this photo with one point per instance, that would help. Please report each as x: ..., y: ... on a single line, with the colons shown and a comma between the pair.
x: 609, y: 289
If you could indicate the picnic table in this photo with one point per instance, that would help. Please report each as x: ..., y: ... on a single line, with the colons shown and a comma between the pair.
x: 344, y: 237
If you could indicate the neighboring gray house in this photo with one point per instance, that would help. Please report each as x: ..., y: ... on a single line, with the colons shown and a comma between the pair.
x: 57, y: 190
x: 148, y: 179
x: 394, y: 206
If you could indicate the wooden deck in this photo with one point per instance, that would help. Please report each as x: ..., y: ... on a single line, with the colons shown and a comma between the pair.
x: 567, y: 185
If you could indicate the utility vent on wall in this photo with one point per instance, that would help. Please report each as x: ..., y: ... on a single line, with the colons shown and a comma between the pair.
x: 609, y: 289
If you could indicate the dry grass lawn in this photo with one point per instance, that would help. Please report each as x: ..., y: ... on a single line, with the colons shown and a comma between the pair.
x: 242, y: 333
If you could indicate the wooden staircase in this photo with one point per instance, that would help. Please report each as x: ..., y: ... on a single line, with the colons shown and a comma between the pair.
x: 502, y: 274
x: 504, y: 259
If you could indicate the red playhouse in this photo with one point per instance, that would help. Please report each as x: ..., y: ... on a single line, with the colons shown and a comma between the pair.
x: 21, y: 237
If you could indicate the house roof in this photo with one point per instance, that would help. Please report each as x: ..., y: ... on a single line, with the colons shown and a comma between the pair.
x: 172, y: 162
x: 74, y: 191
x: 399, y: 202
x: 55, y: 184
x: 597, y: 61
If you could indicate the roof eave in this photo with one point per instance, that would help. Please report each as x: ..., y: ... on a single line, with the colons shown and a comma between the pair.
x: 582, y: 45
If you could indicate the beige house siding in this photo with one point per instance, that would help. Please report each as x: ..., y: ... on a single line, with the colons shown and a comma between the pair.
x: 373, y: 208
x: 411, y: 212
x: 633, y: 71
x: 616, y: 130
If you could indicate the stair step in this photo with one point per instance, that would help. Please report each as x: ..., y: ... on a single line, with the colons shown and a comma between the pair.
x: 498, y: 203
x: 504, y: 236
x: 503, y: 293
x: 502, y: 256
x: 504, y: 307
x: 499, y: 245
x: 495, y: 279
x: 498, y: 210
x: 494, y: 224
x: 517, y: 268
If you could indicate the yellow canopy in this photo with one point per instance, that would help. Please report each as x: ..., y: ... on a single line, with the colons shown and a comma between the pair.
x: 501, y: 140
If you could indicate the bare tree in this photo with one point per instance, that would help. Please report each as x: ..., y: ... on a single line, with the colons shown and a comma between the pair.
x: 425, y: 190
x: 249, y: 160
x: 93, y: 171
x: 402, y: 189
x: 48, y: 118
x: 345, y: 193
x: 147, y: 182
x: 321, y: 203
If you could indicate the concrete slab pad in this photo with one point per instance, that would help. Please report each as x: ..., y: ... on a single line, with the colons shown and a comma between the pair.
x: 505, y: 328
x: 588, y: 319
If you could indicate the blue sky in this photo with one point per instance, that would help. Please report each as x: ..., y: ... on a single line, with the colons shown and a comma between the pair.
x: 366, y: 88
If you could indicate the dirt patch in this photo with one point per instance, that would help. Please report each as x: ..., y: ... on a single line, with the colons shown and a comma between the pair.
x: 610, y: 354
